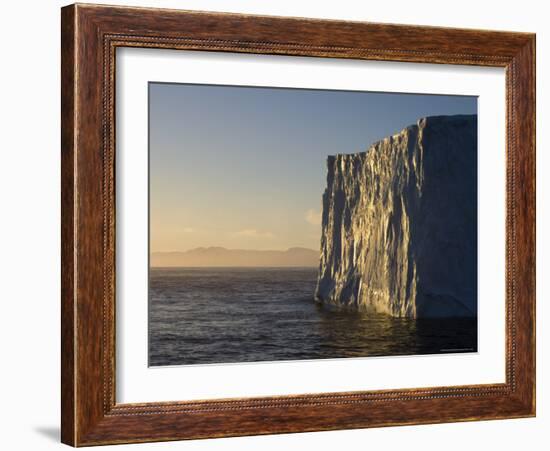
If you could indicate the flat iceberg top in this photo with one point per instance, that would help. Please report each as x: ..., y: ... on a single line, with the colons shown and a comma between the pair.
x: 422, y: 123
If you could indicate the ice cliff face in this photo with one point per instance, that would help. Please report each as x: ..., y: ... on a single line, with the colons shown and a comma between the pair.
x: 399, y: 227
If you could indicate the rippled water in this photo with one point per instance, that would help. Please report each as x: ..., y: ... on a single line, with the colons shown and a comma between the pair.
x: 221, y: 315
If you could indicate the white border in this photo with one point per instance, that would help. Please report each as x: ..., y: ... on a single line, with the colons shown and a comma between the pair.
x: 138, y: 383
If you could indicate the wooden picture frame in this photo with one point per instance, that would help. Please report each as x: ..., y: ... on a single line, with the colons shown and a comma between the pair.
x: 90, y: 35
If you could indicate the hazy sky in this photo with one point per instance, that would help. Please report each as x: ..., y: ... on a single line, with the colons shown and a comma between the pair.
x: 244, y: 168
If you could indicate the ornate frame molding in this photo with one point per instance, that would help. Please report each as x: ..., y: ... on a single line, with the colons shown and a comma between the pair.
x: 90, y: 36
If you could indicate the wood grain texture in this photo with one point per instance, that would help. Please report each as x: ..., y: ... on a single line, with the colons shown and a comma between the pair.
x: 90, y: 36
x: 68, y: 313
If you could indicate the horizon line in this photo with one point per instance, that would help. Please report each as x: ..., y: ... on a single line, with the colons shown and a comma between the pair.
x: 233, y: 267
x: 233, y: 249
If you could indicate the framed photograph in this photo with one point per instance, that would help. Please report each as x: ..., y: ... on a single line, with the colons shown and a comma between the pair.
x: 279, y: 225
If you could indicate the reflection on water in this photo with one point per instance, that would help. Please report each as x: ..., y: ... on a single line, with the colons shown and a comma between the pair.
x: 222, y: 315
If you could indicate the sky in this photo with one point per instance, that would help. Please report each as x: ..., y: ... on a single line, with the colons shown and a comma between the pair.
x: 245, y: 167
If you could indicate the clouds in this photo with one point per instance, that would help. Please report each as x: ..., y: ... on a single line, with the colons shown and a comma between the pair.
x: 313, y: 217
x: 253, y: 233
x: 188, y: 230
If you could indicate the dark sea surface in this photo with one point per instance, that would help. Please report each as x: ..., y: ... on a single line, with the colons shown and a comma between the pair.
x: 222, y: 315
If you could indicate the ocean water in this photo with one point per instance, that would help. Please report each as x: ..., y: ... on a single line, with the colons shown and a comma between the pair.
x: 223, y: 315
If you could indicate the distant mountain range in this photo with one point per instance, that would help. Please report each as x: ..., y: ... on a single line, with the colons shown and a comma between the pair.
x: 220, y: 256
